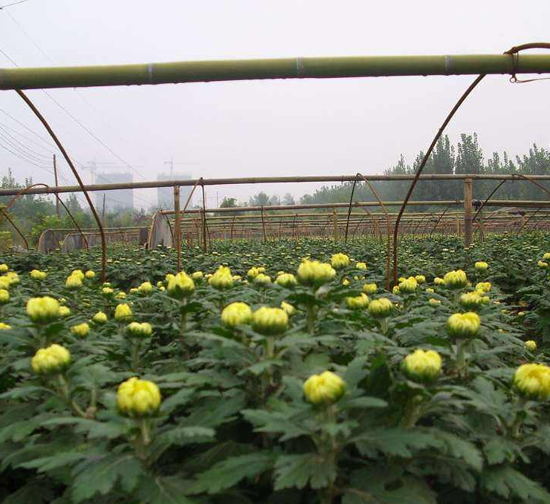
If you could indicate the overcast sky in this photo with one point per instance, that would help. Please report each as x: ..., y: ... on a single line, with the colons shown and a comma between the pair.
x: 237, y: 129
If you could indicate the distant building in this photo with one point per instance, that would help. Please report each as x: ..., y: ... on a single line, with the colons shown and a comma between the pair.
x: 165, y: 195
x: 119, y: 199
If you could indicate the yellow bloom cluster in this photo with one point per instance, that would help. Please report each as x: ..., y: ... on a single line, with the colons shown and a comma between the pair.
x: 90, y: 275
x: 361, y: 265
x: 533, y: 381
x: 483, y: 286
x: 140, y: 330
x: 339, y: 261
x: 254, y: 272
x: 463, y: 325
x: 357, y: 302
x: 481, y: 266
x: 370, y: 289
x: 290, y: 310
x: 145, y: 288
x: 315, y: 273
x: 138, y: 398
x: 408, y: 286
x: 270, y: 321
x: 38, y: 275
x: 326, y: 388
x: 423, y: 366
x: 64, y: 311
x: 53, y: 359
x: 99, y: 318
x: 420, y: 279
x: 123, y: 313
x: 4, y: 296
x: 43, y: 309
x: 472, y: 300
x: 222, y: 279
x: 262, y: 279
x: 531, y: 345
x: 287, y: 280
x: 455, y: 279
x: 236, y: 314
x: 197, y: 275
x: 180, y: 286
x: 380, y: 308
x: 80, y: 330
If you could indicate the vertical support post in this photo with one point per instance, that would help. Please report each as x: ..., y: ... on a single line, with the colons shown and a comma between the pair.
x: 263, y: 226
x: 481, y: 226
x: 335, y: 219
x: 203, y: 213
x: 457, y: 226
x: 56, y: 185
x: 468, y: 196
x: 177, y: 214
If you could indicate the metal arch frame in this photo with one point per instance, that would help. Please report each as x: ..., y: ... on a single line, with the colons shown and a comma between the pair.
x: 513, y: 52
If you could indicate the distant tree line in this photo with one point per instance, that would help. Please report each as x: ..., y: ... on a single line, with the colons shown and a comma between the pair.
x: 466, y: 157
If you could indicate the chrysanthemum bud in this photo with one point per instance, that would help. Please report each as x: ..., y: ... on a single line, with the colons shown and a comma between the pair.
x: 287, y: 280
x: 73, y: 282
x: 4, y: 296
x: 438, y: 281
x: 290, y: 310
x: 140, y: 330
x: 80, y: 330
x: 38, y: 275
x: 145, y: 288
x: 180, y: 286
x: 43, y: 309
x: 531, y: 345
x: 481, y: 266
x: 455, y: 280
x: 533, y: 381
x: 315, y: 273
x: 99, y: 318
x: 408, y: 286
x: 420, y: 279
x: 222, y: 279
x: 123, y: 313
x: 254, y: 272
x: 4, y: 327
x: 326, y: 388
x: 64, y: 311
x: 339, y: 261
x: 483, y: 286
x: 197, y: 275
x: 422, y: 366
x: 370, y: 289
x: 463, y: 325
x: 53, y: 359
x: 381, y: 308
x: 361, y: 265
x: 357, y: 302
x: 4, y: 268
x: 90, y: 275
x: 261, y: 279
x: 236, y: 314
x: 269, y: 321
x: 138, y: 398
x: 471, y: 300
x: 434, y: 302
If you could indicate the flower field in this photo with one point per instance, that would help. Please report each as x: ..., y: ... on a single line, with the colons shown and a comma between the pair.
x: 278, y: 373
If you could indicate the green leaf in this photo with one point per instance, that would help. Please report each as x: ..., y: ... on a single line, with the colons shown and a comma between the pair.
x: 509, y: 483
x: 44, y: 464
x: 397, y: 442
x: 163, y: 490
x: 299, y: 470
x: 461, y: 449
x: 228, y: 473
x: 275, y: 422
x: 99, y: 476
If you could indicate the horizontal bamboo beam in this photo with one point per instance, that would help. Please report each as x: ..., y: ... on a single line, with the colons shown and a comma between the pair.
x: 260, y: 69
x: 264, y: 180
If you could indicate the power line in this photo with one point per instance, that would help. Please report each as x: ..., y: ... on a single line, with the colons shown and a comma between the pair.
x: 8, y: 137
x: 12, y: 4
x: 28, y: 139
x: 90, y: 132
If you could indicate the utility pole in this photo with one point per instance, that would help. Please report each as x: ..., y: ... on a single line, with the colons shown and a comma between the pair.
x: 56, y: 185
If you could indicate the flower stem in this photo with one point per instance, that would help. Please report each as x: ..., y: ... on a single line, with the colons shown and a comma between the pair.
x: 311, y: 315
x: 135, y: 355
x: 384, y: 326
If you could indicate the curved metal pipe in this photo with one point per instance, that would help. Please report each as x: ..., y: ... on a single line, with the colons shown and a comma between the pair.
x: 77, y: 176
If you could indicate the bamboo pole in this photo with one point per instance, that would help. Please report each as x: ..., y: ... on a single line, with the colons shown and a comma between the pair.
x: 260, y: 69
x: 468, y: 192
x: 177, y: 234
x: 268, y: 180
